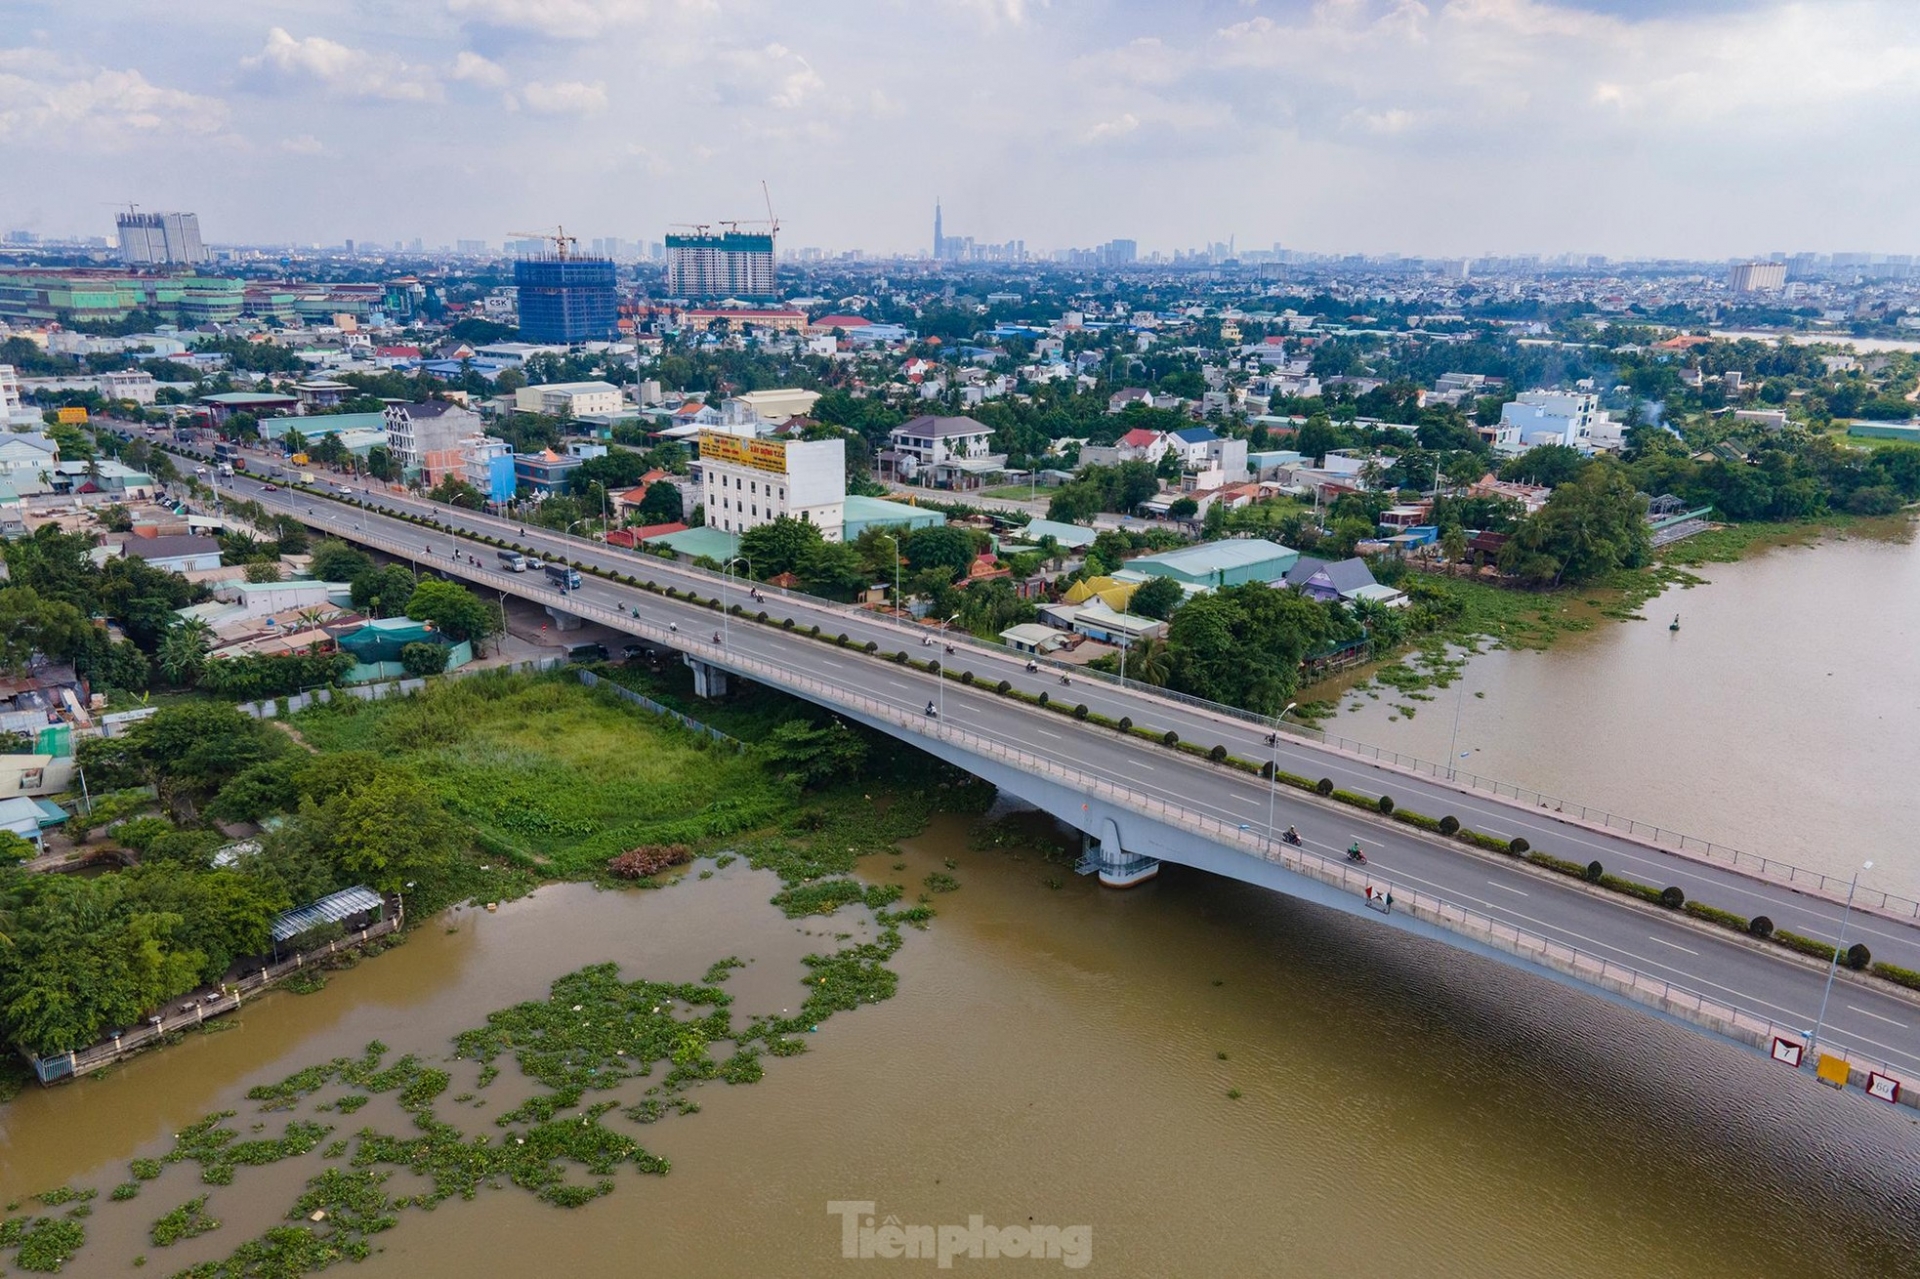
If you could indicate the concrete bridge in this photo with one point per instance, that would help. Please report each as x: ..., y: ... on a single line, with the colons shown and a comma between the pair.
x: 1139, y: 804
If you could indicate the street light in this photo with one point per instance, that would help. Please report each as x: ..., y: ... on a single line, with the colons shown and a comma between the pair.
x: 942, y: 674
x: 726, y: 577
x: 1273, y: 768
x: 896, y: 569
x: 1453, y: 743
x: 1840, y: 940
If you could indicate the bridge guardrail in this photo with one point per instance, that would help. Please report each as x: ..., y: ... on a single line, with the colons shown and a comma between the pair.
x: 1770, y: 868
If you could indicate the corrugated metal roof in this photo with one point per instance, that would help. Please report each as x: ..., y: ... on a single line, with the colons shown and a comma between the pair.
x: 330, y: 909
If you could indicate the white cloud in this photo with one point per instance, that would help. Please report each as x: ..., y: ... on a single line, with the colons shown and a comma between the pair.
x: 772, y: 74
x: 474, y: 69
x: 567, y: 97
x: 342, y: 69
x: 304, y: 144
x: 94, y: 108
x: 571, y: 19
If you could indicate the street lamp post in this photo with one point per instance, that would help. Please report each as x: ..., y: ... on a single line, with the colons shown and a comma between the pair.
x: 1453, y: 743
x: 1273, y: 768
x: 896, y: 569
x: 942, y: 676
x: 1839, y: 941
x: 726, y: 579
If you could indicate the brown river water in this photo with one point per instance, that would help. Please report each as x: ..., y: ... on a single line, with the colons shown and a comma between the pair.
x: 1053, y: 1056
x: 1052, y: 1059
x: 1783, y: 718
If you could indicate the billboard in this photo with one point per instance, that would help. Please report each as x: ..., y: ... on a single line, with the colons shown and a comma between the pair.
x: 73, y: 417
x: 738, y: 450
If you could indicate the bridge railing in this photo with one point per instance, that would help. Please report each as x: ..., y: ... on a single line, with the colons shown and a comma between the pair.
x: 1594, y: 969
x: 1586, y: 966
x: 1770, y: 868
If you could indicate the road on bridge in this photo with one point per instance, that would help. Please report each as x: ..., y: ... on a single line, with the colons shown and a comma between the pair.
x: 1865, y: 1016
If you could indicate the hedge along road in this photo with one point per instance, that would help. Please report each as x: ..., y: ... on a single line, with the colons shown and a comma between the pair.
x: 1874, y: 1020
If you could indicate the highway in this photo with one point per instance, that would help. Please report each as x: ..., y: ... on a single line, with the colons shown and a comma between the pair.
x: 1864, y: 1016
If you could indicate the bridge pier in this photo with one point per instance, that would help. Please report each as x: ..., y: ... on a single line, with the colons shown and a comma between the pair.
x: 1103, y: 854
x: 709, y: 681
x: 563, y: 620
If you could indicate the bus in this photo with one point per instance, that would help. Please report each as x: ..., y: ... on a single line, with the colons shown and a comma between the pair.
x: 513, y: 561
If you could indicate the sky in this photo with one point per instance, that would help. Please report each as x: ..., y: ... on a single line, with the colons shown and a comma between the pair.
x: 1698, y: 128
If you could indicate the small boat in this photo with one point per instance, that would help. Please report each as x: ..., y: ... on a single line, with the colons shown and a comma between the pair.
x: 1676, y: 623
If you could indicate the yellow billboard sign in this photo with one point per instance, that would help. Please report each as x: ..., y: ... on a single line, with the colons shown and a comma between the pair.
x: 73, y: 417
x: 740, y: 450
x: 1833, y: 1070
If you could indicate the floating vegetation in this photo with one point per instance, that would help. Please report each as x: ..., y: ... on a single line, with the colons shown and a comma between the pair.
x: 144, y: 1169
x: 124, y: 1191
x: 44, y: 1244
x: 941, y: 882
x: 188, y: 1221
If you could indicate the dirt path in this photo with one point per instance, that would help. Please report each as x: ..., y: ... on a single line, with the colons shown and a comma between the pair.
x: 294, y: 733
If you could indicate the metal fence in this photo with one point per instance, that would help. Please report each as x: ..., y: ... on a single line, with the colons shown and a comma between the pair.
x: 592, y: 680
x: 1770, y: 868
x: 225, y: 999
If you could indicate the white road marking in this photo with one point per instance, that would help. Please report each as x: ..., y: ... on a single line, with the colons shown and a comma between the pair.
x: 1044, y: 733
x: 1134, y: 763
x: 1877, y: 1017
x: 1506, y: 888
x: 1676, y: 945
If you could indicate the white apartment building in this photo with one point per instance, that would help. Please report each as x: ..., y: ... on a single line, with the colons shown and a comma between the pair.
x: 11, y: 406
x: 569, y: 399
x: 1570, y: 418
x: 128, y: 384
x: 746, y: 482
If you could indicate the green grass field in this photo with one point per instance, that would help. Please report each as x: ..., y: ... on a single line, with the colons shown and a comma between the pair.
x: 545, y: 768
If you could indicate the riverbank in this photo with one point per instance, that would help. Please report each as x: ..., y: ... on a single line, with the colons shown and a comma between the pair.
x: 1495, y: 617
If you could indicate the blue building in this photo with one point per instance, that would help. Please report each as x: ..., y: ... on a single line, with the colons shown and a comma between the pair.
x: 501, y: 478
x: 566, y: 299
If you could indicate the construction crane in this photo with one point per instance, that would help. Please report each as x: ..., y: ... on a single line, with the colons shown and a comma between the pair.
x: 558, y: 237
x: 698, y: 228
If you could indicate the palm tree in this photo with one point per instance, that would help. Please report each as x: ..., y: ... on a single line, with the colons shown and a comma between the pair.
x: 183, y: 650
x: 1149, y: 662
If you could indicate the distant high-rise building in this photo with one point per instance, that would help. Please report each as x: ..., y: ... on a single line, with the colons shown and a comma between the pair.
x: 470, y: 248
x: 734, y: 264
x: 160, y: 239
x: 939, y: 240
x: 566, y: 299
x: 1757, y: 277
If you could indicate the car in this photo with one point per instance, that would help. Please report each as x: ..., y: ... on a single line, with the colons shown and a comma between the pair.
x: 270, y: 488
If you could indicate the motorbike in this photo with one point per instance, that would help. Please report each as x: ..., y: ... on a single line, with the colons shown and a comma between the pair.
x: 1355, y: 856
x: 931, y: 712
x: 1291, y: 836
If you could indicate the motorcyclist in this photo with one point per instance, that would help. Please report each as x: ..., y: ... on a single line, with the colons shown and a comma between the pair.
x: 931, y: 711
x: 1354, y: 854
x: 1292, y: 836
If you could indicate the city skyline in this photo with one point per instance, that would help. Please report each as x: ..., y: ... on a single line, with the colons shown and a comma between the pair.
x: 1709, y: 129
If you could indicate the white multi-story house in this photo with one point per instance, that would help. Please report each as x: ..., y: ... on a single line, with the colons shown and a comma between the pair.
x: 27, y: 461
x: 745, y: 482
x: 425, y: 439
x: 1570, y: 418
x: 947, y: 452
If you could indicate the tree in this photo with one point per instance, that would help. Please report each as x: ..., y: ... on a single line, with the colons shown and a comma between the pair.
x: 380, y: 463
x: 662, y: 503
x: 1149, y: 661
x: 1592, y: 525
x: 1453, y: 543
x: 832, y: 569
x: 329, y: 449
x: 454, y: 611
x: 264, y: 571
x: 183, y: 651
x: 807, y: 756
x: 390, y: 828
x: 779, y: 546
x: 1548, y: 464
x: 336, y: 561
x: 1156, y: 598
x: 944, y: 546
x: 1183, y: 508
x: 383, y: 592
x: 423, y: 659
x: 1315, y: 438
x: 30, y: 625
x: 457, y: 492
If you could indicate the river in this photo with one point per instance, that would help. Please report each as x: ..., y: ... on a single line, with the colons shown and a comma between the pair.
x: 1782, y: 718
x: 1054, y: 1057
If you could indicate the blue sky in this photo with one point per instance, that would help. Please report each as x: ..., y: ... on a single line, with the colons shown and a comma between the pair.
x: 1702, y: 127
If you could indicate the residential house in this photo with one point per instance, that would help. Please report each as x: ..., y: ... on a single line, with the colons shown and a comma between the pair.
x: 1122, y: 400
x: 945, y: 452
x: 569, y: 399
x: 179, y: 553
x: 1568, y: 418
x: 425, y: 439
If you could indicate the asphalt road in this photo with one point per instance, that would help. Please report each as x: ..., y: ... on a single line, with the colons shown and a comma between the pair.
x: 1866, y: 1018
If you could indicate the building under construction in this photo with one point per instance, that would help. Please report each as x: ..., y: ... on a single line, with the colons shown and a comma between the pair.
x: 731, y: 264
x: 564, y: 297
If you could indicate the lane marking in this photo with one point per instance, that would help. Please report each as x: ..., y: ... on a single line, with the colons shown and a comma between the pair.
x: 1134, y: 763
x: 1877, y: 1017
x: 1676, y: 945
x: 1245, y: 800
x: 1507, y: 888
x: 1044, y: 733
